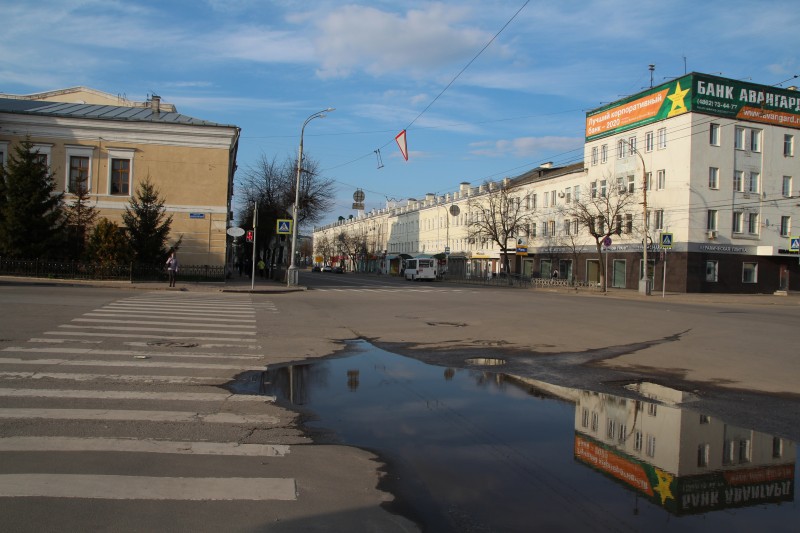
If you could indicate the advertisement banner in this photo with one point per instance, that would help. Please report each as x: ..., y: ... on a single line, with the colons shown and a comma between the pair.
x: 700, y: 93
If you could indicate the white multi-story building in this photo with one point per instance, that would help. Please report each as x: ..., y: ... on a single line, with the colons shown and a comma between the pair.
x: 711, y: 162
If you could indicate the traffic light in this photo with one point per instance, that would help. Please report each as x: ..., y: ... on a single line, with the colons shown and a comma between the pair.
x: 249, y: 237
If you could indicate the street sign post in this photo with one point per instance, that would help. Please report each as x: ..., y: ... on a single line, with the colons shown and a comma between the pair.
x: 666, y: 244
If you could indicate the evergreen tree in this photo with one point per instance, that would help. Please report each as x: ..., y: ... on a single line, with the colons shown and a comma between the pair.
x: 80, y: 217
x: 147, y: 224
x: 108, y: 244
x: 31, y: 220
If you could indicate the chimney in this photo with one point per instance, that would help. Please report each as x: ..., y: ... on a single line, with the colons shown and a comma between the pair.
x: 155, y: 103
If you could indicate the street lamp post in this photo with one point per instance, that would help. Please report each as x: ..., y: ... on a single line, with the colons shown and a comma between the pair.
x: 644, y: 285
x: 292, y: 275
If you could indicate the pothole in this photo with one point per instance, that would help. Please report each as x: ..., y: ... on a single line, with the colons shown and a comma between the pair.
x: 485, y: 361
x: 173, y: 344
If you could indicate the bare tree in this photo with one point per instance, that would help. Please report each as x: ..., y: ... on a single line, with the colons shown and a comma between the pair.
x: 324, y: 247
x: 498, y: 216
x: 606, y: 210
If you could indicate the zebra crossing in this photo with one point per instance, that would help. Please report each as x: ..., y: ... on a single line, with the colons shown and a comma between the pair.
x: 132, y: 377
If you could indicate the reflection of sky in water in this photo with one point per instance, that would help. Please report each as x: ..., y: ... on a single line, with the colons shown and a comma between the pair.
x: 476, y: 452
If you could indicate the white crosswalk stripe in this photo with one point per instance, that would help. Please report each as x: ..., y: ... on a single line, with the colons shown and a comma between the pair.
x: 398, y: 290
x: 130, y: 349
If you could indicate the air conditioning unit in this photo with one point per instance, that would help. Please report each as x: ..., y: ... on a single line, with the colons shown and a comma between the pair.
x: 561, y: 194
x: 712, y: 234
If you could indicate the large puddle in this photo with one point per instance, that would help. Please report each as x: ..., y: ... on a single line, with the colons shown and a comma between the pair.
x: 479, y: 451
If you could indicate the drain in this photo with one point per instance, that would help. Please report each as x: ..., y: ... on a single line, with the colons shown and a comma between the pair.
x: 486, y: 361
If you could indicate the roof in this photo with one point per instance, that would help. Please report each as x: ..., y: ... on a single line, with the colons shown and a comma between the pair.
x: 100, y: 112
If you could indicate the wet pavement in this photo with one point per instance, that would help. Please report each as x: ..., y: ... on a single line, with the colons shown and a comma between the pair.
x: 469, y: 449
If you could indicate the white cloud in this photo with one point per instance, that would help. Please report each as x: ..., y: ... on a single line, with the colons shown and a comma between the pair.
x: 525, y: 146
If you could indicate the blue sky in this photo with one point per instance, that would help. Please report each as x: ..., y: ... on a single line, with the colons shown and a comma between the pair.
x: 267, y: 66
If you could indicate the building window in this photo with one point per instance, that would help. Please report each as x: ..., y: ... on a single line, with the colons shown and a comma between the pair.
x: 553, y: 198
x: 703, y: 453
x: 713, y: 178
x: 595, y: 421
x: 648, y: 141
x: 533, y: 229
x: 575, y: 226
x: 594, y: 155
x: 120, y: 176
x: 786, y: 187
x: 593, y: 189
x: 533, y: 201
x: 777, y: 447
x: 546, y: 199
x: 712, y: 271
x: 662, y: 138
x: 567, y: 226
x: 713, y: 134
x: 585, y: 418
x: 738, y: 181
x: 705, y: 419
x: 755, y: 140
x: 659, y: 218
x: 631, y: 184
x: 637, y: 441
x: 744, y: 451
x: 78, y: 174
x: 612, y: 428
x: 753, y: 184
x: 786, y: 226
x: 552, y: 228
x: 623, y: 430
x: 651, y: 446
x: 662, y: 180
x: 738, y: 138
x: 603, y: 188
x: 728, y: 452
x: 632, y: 146
x: 568, y: 195
x: 628, y: 223
x: 752, y: 223
x: 621, y: 184
x: 788, y: 145
x: 620, y: 149
x: 652, y: 409
x: 738, y: 218
x: 711, y: 219
x: 604, y: 153
x: 749, y: 272
x: 576, y: 193
x: 648, y: 179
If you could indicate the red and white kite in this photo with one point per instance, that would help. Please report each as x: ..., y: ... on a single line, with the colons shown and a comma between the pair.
x: 401, y: 142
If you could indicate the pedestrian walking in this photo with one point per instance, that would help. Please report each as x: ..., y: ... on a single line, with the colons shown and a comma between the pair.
x: 261, y: 267
x: 172, y: 267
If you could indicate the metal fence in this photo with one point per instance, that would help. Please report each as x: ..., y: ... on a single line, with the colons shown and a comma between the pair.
x: 54, y: 269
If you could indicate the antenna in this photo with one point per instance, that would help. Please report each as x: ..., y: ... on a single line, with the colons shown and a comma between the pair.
x: 651, y: 68
x: 684, y: 65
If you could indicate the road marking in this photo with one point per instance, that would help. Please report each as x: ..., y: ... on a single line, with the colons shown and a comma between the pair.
x: 106, y: 487
x: 141, y: 336
x: 100, y: 444
x: 141, y: 363
x: 160, y: 323
x: 171, y: 316
x: 116, y: 378
x: 132, y: 353
x: 171, y: 330
x: 138, y: 415
x: 131, y: 395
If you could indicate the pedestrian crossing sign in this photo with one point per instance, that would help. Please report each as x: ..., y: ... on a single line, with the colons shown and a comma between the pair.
x: 284, y: 226
x: 666, y: 240
x: 794, y: 244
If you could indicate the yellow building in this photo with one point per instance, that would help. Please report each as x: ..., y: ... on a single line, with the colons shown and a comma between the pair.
x: 117, y: 143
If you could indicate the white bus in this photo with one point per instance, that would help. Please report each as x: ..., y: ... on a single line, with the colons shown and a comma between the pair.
x: 420, y: 269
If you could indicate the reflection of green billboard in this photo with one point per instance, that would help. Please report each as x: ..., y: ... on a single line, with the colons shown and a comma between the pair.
x: 683, y: 495
x: 700, y: 93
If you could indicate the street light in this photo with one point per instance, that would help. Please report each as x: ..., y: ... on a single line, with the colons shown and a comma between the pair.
x: 644, y: 282
x: 292, y: 276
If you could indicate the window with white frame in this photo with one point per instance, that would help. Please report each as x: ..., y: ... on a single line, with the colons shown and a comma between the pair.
x: 651, y: 446
x: 648, y: 141
x: 661, y: 139
x: 620, y: 149
x: 662, y: 180
x: 786, y: 187
x: 576, y: 193
x: 788, y: 145
x: 703, y: 454
x: 553, y: 198
x: 632, y: 146
x: 552, y: 228
x: 604, y: 153
x: 42, y: 152
x: 631, y: 183
x: 594, y: 155
x: 777, y: 447
x: 603, y: 188
x: 568, y: 195
x: 120, y: 172
x: 712, y: 271
x: 585, y: 418
x: 786, y: 226
x: 749, y: 272
x: 753, y: 182
x: 532, y: 231
x: 637, y: 441
x: 755, y: 140
x: 738, y: 180
x: 739, y: 138
x: 628, y: 223
x: 648, y: 179
x: 752, y: 223
x: 567, y: 226
x: 593, y: 189
x: 737, y: 223
x: 611, y: 428
x: 744, y: 451
x: 713, y: 178
x: 621, y: 184
x: 711, y: 219
x: 533, y: 201
x: 658, y: 219
x: 713, y: 134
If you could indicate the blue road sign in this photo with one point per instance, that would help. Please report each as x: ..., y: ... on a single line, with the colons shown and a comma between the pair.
x: 284, y: 226
x: 666, y: 240
x: 794, y: 244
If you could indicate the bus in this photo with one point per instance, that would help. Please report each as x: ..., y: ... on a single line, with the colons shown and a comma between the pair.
x: 420, y: 269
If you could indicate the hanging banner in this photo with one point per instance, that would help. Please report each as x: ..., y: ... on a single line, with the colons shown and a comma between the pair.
x: 401, y: 142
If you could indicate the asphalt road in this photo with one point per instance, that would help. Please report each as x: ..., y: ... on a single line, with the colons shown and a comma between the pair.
x: 111, y: 395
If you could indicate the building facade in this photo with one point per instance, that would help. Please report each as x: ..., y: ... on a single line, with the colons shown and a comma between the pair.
x: 709, y: 161
x: 116, y: 144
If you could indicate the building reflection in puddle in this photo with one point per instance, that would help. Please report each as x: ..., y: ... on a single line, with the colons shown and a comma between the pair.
x: 684, y: 461
x: 477, y: 450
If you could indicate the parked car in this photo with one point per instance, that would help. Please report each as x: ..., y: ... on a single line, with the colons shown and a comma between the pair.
x: 316, y: 268
x: 338, y: 270
x: 327, y: 268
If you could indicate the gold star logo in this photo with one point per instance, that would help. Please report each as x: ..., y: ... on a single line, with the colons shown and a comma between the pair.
x: 662, y: 488
x: 678, y: 106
